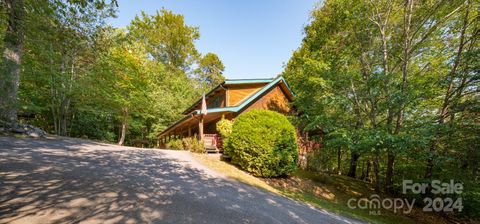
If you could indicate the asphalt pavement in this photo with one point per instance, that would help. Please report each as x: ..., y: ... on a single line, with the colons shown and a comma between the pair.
x: 66, y: 180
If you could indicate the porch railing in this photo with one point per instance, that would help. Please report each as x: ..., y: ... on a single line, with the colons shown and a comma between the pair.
x: 213, y: 142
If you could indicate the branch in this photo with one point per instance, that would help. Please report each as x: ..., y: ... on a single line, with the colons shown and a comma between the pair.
x: 433, y: 28
x: 435, y: 9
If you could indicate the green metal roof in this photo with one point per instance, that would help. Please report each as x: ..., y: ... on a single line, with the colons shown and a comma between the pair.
x: 246, y: 81
x: 219, y: 109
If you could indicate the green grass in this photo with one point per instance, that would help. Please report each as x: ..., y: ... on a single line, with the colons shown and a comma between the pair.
x: 335, y: 190
x: 232, y: 171
x: 343, y: 209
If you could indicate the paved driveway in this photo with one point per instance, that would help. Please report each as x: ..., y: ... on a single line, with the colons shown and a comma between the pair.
x: 67, y: 180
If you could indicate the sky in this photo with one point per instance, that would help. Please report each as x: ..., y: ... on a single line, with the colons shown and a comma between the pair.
x: 254, y: 39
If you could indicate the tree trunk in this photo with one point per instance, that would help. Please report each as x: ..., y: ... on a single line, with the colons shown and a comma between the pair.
x: 475, y: 167
x: 60, y: 95
x: 430, y: 161
x: 11, y: 59
x: 63, y: 121
x: 124, y: 126
x: 376, y: 170
x: 367, y: 171
x: 389, y: 173
x: 400, y: 116
x: 339, y: 161
x: 352, y: 171
x: 363, y: 171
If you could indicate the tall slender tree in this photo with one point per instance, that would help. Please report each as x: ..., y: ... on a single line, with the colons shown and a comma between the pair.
x: 13, y: 42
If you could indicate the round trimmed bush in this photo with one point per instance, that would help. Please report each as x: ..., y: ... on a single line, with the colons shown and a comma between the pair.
x: 264, y: 143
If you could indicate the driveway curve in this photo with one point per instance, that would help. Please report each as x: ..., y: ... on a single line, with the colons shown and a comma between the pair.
x: 65, y: 180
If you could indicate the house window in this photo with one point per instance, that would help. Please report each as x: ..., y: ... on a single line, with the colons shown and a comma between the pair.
x: 215, y: 102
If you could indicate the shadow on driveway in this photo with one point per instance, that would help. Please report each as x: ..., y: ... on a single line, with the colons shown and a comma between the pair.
x: 76, y: 181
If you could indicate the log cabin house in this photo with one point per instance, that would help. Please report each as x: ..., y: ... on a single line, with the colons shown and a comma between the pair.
x: 229, y: 99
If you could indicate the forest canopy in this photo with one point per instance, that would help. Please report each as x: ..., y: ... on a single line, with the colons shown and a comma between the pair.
x: 394, y: 87
x: 80, y: 77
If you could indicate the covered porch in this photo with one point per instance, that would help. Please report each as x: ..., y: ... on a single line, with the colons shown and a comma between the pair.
x: 201, y: 126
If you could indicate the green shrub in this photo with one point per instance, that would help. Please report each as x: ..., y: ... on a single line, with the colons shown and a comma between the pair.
x: 93, y: 125
x: 175, y: 144
x: 193, y: 144
x: 321, y: 161
x: 471, y: 200
x: 224, y: 127
x: 264, y: 143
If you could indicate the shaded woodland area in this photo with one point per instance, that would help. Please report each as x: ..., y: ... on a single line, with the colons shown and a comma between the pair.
x: 394, y: 87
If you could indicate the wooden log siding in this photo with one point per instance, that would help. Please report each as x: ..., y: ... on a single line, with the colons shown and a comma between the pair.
x: 275, y: 100
x: 238, y: 93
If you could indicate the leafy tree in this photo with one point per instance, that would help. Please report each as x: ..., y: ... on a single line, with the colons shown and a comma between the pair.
x: 210, y: 71
x: 371, y: 75
x: 166, y: 38
x: 13, y: 41
x: 170, y: 43
x: 123, y: 79
x: 23, y: 22
x: 82, y: 78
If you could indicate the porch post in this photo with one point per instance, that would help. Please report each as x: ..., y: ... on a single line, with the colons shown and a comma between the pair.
x: 189, y: 131
x: 200, y: 128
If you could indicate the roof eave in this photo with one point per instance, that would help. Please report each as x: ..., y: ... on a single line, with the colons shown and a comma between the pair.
x: 246, y: 81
